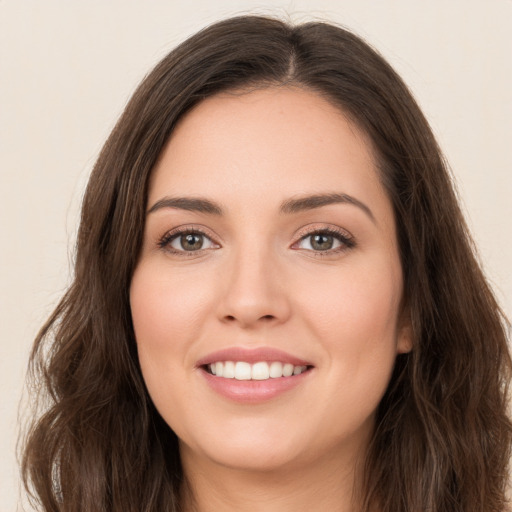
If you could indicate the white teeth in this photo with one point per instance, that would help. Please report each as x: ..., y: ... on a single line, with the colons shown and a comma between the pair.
x: 257, y: 371
x: 260, y: 371
x: 287, y: 370
x: 242, y: 371
x: 228, y: 371
x: 297, y: 370
x: 276, y: 370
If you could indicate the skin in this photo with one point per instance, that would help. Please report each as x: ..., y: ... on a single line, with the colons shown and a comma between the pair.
x: 258, y: 282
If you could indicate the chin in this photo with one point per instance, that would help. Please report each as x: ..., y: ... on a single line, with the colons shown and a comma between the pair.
x: 261, y: 447
x: 251, y: 457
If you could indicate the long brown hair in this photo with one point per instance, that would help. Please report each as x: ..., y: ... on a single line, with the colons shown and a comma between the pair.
x: 442, y: 437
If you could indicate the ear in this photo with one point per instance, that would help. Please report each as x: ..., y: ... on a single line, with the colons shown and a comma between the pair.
x: 404, y: 340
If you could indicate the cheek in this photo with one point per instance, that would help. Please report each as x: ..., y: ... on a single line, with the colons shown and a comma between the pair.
x: 166, y: 309
x: 356, y: 322
x: 362, y: 304
x: 167, y: 314
x: 355, y: 318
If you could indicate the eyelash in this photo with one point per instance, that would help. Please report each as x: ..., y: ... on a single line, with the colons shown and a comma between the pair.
x: 347, y: 241
x: 165, y: 242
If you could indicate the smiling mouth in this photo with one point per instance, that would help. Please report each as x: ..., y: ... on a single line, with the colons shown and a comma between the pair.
x: 242, y: 370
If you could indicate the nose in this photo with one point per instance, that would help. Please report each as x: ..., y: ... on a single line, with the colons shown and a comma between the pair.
x: 254, y: 291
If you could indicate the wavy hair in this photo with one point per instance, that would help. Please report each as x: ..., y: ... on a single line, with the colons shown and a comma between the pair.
x: 442, y: 435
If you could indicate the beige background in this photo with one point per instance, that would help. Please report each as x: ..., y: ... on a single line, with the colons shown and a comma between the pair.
x: 68, y: 67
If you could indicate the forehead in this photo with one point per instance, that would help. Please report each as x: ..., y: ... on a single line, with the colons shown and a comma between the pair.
x: 268, y: 143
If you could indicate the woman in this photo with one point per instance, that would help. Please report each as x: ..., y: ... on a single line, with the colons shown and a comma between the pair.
x: 276, y: 303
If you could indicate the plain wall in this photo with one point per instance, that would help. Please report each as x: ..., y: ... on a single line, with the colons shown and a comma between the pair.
x: 67, y: 69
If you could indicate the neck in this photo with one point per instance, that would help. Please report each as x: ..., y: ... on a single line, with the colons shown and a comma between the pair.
x: 330, y: 484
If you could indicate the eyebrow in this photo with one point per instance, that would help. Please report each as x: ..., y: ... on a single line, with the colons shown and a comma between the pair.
x: 300, y: 204
x: 193, y: 204
x: 290, y: 206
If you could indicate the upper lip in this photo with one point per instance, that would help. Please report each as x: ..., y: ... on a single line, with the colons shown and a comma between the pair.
x: 254, y: 355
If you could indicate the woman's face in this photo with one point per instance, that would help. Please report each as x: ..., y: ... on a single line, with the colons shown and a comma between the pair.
x: 269, y: 248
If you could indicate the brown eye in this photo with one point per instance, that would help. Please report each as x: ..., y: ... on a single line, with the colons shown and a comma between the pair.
x: 189, y: 242
x: 325, y: 241
x: 322, y: 242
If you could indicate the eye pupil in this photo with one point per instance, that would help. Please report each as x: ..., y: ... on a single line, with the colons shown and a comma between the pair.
x: 191, y: 242
x: 321, y: 242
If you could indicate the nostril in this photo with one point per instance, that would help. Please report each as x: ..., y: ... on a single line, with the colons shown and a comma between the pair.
x: 232, y: 318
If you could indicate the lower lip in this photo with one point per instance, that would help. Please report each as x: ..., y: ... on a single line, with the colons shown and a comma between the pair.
x: 253, y: 391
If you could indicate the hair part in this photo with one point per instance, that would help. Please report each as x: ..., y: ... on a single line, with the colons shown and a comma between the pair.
x: 442, y: 437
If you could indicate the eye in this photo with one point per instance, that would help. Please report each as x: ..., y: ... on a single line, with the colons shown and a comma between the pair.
x: 319, y: 242
x: 325, y: 241
x: 190, y: 240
